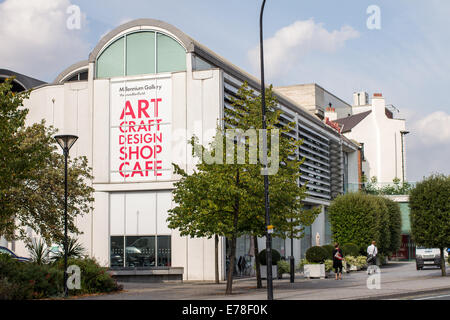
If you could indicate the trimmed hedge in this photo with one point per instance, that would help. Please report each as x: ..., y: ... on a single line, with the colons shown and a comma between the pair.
x: 275, y: 257
x: 316, y: 254
x: 329, y: 249
x: 350, y: 249
x: 360, y: 218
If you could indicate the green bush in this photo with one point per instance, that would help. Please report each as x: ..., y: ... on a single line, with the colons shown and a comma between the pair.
x: 328, y: 265
x: 316, y: 254
x: 283, y: 267
x: 395, y: 225
x: 350, y: 249
x: 26, y: 280
x: 329, y: 249
x: 275, y: 257
x: 359, y: 261
x: 94, y: 278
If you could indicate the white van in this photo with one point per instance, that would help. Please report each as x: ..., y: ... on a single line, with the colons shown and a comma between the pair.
x: 427, y: 257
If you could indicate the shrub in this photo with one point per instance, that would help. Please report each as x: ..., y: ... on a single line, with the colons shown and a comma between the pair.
x: 350, y: 249
x: 23, y: 280
x: 354, y: 219
x: 94, y: 278
x: 301, y: 264
x: 74, y: 250
x: 283, y: 267
x: 316, y: 254
x: 27, y: 280
x: 329, y: 249
x: 275, y: 257
x: 328, y: 265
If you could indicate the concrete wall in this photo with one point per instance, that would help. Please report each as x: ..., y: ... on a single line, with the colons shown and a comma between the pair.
x: 313, y: 97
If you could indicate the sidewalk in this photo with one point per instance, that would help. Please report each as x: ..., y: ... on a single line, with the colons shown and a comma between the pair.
x: 397, y: 278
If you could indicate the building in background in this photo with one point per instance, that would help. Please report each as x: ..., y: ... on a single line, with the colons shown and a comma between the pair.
x: 144, y: 91
x: 381, y: 135
x: 21, y: 82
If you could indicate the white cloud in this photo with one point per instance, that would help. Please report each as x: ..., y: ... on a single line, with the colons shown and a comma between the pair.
x: 434, y: 129
x: 36, y: 40
x: 289, y: 44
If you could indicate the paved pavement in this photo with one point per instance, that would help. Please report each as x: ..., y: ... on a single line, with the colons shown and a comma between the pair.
x: 396, y: 281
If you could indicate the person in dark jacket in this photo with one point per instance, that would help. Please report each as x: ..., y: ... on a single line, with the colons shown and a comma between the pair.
x: 337, y: 261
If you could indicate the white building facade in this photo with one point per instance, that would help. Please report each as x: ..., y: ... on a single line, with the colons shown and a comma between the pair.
x: 382, y: 137
x: 144, y: 91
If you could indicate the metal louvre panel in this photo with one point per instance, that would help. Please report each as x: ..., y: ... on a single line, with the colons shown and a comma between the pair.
x: 316, y: 169
x: 318, y: 182
x: 309, y: 157
x: 315, y: 147
x: 315, y: 173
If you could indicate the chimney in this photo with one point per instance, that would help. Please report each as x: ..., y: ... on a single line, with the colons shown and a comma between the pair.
x: 330, y: 113
x: 360, y: 98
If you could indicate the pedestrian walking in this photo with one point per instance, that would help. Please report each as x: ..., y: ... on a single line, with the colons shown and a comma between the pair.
x: 337, y: 261
x: 372, y: 252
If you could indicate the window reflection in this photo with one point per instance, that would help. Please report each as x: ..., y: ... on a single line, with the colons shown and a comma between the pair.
x: 140, y: 251
x: 116, y: 252
x: 164, y: 247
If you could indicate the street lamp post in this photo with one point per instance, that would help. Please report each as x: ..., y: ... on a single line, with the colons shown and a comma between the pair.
x: 65, y: 142
x: 266, y: 177
x: 291, y: 258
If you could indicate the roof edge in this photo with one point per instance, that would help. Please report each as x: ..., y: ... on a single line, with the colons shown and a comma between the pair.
x: 65, y: 73
x: 185, y: 39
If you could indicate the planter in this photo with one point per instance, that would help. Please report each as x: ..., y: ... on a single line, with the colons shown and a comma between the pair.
x: 354, y: 268
x: 264, y: 272
x: 314, y: 271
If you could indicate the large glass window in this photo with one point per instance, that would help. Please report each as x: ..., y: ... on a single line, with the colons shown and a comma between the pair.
x: 171, y: 55
x: 111, y: 61
x: 144, y: 52
x: 138, y: 228
x: 140, y: 53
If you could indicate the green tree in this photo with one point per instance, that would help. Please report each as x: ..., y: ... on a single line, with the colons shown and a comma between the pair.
x: 383, y: 221
x: 32, y: 176
x: 286, y: 195
x: 228, y: 199
x: 354, y: 219
x: 395, y: 225
x: 430, y: 213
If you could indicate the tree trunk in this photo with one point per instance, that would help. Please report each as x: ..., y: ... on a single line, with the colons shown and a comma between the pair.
x: 257, y: 263
x: 216, y: 238
x: 443, y: 262
x: 229, y: 289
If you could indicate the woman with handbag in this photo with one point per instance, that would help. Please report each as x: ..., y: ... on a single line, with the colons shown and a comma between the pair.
x: 337, y: 261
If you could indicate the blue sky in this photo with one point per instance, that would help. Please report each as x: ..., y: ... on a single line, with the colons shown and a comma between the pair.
x: 406, y: 60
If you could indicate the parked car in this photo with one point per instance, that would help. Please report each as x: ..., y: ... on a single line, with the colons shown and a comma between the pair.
x: 4, y: 250
x: 427, y: 257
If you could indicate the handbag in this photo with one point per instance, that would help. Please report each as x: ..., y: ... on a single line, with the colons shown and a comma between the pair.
x: 338, y: 255
x: 370, y: 257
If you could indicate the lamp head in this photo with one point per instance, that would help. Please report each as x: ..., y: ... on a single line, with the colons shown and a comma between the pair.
x: 404, y: 132
x: 66, y: 141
